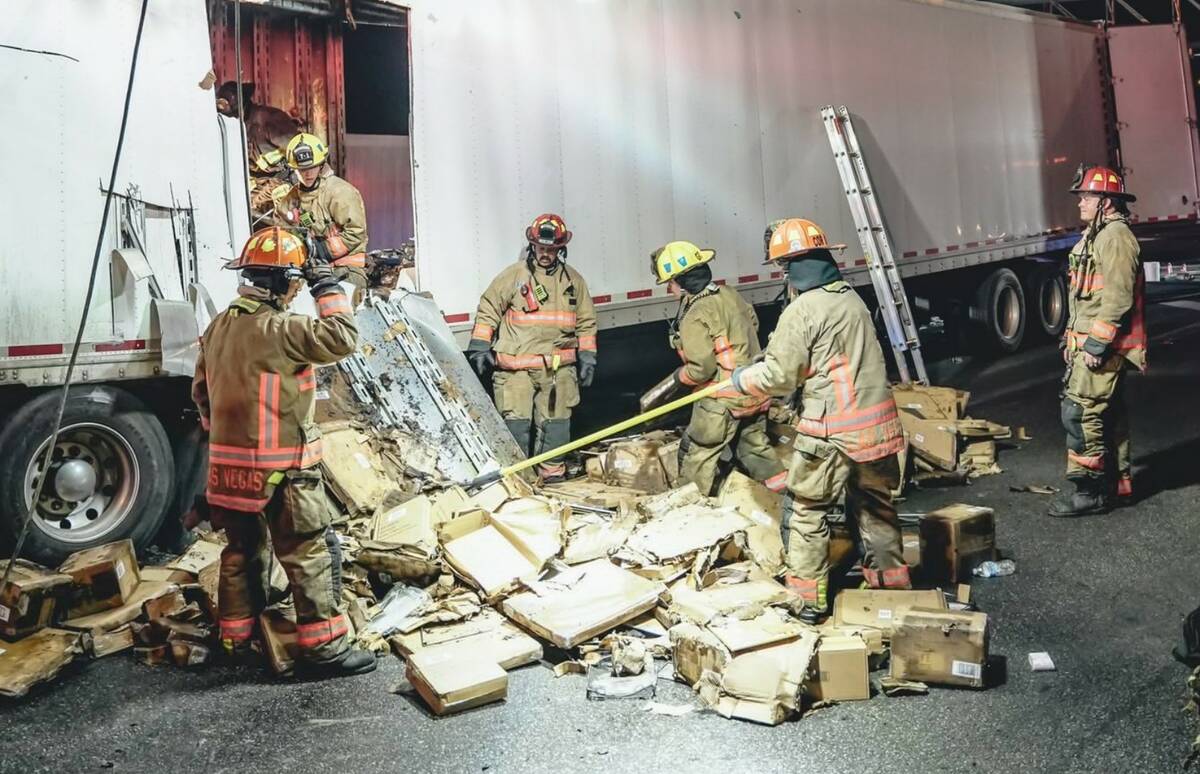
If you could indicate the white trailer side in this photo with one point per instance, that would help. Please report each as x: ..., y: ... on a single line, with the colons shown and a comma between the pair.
x: 683, y: 119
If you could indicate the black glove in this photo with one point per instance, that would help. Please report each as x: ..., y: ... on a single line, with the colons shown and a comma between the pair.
x: 587, y: 367
x: 318, y: 251
x: 480, y: 354
x: 320, y: 278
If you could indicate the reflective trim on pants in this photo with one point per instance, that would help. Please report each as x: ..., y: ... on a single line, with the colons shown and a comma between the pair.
x: 311, y: 635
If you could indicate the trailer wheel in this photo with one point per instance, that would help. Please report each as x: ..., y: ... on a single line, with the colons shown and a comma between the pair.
x: 189, y: 448
x: 999, y: 311
x: 111, y: 473
x: 1046, y: 290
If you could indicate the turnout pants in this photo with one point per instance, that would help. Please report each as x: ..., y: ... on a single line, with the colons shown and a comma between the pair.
x: 820, y: 474
x: 297, y: 518
x: 1096, y: 421
x: 536, y: 405
x: 712, y: 429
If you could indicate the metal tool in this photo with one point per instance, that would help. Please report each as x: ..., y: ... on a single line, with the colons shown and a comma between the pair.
x: 599, y: 435
x: 877, y: 247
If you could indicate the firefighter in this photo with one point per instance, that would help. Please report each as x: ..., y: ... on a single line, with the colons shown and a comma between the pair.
x: 1105, y: 337
x: 331, y: 210
x: 535, y: 328
x: 715, y: 331
x: 848, y: 432
x: 255, y: 389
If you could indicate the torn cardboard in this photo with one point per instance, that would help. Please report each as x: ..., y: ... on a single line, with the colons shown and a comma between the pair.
x: 455, y: 680
x: 596, y: 536
x: 488, y: 635
x: 763, y: 685
x: 33, y: 598
x: 36, y: 659
x: 745, y: 599
x: 763, y: 509
x: 147, y: 592
x: 940, y: 646
x: 587, y: 600
x: 681, y: 533
x: 103, y: 577
x: 931, y: 402
x: 488, y: 554
x: 355, y: 471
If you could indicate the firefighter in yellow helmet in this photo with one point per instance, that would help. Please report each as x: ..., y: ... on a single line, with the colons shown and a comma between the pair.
x: 329, y: 208
x: 848, y: 434
x: 1105, y: 338
x: 255, y: 389
x: 714, y: 332
x: 536, y: 327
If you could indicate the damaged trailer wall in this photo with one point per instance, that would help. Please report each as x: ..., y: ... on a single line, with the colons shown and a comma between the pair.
x: 699, y: 120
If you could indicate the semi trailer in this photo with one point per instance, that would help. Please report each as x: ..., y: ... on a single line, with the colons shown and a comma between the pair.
x: 639, y: 122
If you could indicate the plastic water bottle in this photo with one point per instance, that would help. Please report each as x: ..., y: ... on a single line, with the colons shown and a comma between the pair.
x: 995, y: 569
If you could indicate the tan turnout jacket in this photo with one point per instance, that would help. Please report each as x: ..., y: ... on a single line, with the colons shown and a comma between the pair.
x: 529, y: 331
x: 825, y: 344
x: 255, y: 388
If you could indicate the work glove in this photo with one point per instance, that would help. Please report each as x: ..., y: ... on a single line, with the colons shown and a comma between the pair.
x: 481, y: 357
x: 318, y: 251
x: 321, y: 279
x: 587, y: 367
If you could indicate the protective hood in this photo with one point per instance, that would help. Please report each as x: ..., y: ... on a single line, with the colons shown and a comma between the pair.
x: 813, y: 270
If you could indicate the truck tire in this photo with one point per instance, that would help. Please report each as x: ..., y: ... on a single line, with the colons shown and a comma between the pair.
x: 999, y: 311
x: 1046, y: 292
x: 189, y: 447
x: 112, y: 466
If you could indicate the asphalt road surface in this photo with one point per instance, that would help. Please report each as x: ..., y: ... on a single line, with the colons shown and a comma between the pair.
x: 1104, y: 596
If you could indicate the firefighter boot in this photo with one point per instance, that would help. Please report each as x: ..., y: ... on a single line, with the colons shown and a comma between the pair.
x: 1090, y: 497
x: 351, y: 661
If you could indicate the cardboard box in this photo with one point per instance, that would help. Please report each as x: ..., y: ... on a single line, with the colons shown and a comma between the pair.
x: 487, y: 635
x: 116, y: 641
x: 724, y: 599
x: 681, y: 532
x: 36, y: 659
x: 763, y: 685
x: 199, y: 556
x: 357, y: 473
x: 930, y: 402
x: 840, y: 671
x: 410, y: 524
x: 588, y: 600
x: 764, y: 510
x: 879, y: 608
x: 940, y: 646
x: 452, y: 681
x: 695, y: 650
x: 873, y: 638
x: 104, y: 577
x: 33, y: 598
x: 955, y: 540
x: 155, y: 593
x: 636, y: 465
x: 488, y: 554
x: 932, y: 440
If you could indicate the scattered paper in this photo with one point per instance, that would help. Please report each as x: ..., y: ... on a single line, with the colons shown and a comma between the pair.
x: 672, y: 710
x: 1041, y: 662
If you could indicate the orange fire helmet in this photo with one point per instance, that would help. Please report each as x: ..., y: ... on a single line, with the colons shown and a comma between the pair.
x: 1100, y: 180
x: 271, y: 248
x: 794, y: 237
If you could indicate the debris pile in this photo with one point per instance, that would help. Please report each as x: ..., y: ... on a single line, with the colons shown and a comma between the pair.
x: 622, y: 577
x: 944, y: 443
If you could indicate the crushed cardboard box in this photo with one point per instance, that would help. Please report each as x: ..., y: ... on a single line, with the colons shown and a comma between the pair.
x: 746, y: 598
x: 36, y: 659
x: 940, y: 646
x: 355, y: 470
x: 487, y: 553
x: 595, y: 536
x: 487, y: 634
x: 103, y: 577
x: 146, y: 593
x: 586, y: 491
x: 763, y: 509
x: 762, y: 686
x: 680, y: 534
x: 33, y: 598
x: 578, y: 604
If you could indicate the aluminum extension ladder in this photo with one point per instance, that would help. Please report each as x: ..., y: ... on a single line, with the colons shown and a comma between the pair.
x: 877, y: 248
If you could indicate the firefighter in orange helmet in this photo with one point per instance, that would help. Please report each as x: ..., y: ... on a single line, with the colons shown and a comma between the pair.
x: 848, y: 436
x: 536, y: 327
x: 1105, y: 337
x: 255, y: 389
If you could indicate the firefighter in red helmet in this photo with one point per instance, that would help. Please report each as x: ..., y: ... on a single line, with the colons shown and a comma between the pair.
x: 1105, y: 337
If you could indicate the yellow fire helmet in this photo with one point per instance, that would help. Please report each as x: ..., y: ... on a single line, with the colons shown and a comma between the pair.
x: 306, y: 151
x: 676, y: 258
